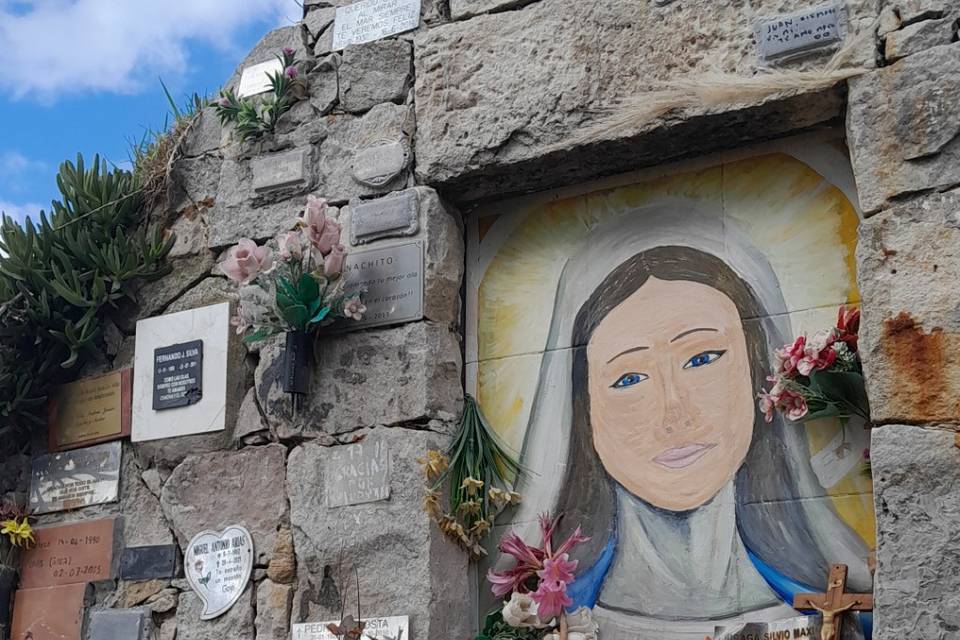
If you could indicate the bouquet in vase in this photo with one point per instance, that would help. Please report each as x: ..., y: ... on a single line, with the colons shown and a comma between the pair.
x: 299, y: 294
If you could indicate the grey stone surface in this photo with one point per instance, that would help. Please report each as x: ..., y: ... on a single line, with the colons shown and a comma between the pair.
x: 154, y: 297
x: 249, y: 420
x: 324, y: 85
x: 348, y: 137
x: 235, y: 624
x: 143, y: 521
x: 428, y: 574
x: 119, y: 624
x: 415, y: 369
x: 498, y: 97
x: 168, y: 630
x: 191, y: 232
x: 215, y: 490
x: 917, y: 37
x: 273, y: 610
x: 268, y: 48
x: 902, y: 126
x: 204, y: 135
x: 318, y: 20
x: 915, y: 485
x: 193, y: 181
x: 908, y: 266
x: 460, y: 9
x: 164, y: 601
x: 208, y: 291
x: 375, y: 72
x: 912, y: 11
x: 153, y: 480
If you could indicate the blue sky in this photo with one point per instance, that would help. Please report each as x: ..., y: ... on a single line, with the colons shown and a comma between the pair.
x: 82, y: 76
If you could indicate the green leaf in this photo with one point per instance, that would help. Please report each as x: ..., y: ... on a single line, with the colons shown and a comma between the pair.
x: 307, y: 290
x: 296, y: 316
x: 320, y: 315
x: 843, y: 388
x: 259, y: 334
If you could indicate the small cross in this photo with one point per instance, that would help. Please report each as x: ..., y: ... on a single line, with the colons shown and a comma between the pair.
x: 834, y: 602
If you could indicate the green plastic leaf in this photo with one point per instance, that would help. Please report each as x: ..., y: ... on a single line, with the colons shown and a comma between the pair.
x: 320, y: 315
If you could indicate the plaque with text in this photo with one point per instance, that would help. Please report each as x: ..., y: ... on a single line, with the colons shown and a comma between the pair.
x: 76, y: 478
x: 358, y: 473
x: 787, y: 36
x: 69, y: 554
x: 370, y: 20
x: 393, y: 215
x: 90, y: 411
x: 178, y: 375
x: 391, y: 281
x: 50, y: 613
x: 386, y: 628
x: 218, y: 567
x: 149, y: 562
x: 798, y: 627
x: 256, y: 78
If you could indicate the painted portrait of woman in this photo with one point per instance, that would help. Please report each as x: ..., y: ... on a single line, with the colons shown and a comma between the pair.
x: 645, y: 428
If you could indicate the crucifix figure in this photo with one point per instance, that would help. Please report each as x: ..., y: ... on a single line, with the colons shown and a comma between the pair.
x: 834, y: 603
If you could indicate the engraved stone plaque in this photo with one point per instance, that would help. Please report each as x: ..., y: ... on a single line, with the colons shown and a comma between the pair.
x: 177, y: 375
x: 218, y: 567
x: 393, y: 215
x: 370, y: 20
x: 69, y: 554
x: 256, y: 79
x: 73, y: 479
x: 358, y: 473
x: 91, y: 410
x: 386, y: 628
x: 392, y: 281
x: 787, y: 36
x: 280, y: 170
x: 380, y: 162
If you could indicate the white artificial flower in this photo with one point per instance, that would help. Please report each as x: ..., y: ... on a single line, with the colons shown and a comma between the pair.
x: 580, y: 626
x: 520, y: 611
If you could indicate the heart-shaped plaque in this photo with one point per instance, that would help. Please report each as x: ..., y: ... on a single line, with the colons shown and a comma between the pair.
x: 218, y: 567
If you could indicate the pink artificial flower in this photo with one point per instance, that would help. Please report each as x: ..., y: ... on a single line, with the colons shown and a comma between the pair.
x: 793, y: 405
x: 333, y: 263
x: 223, y: 101
x: 790, y: 355
x: 551, y: 598
x: 770, y: 399
x: 354, y: 308
x: 290, y: 72
x: 558, y: 569
x: 237, y: 321
x: 818, y: 353
x: 287, y: 51
x: 327, y: 238
x: 314, y: 216
x: 291, y: 246
x: 246, y: 261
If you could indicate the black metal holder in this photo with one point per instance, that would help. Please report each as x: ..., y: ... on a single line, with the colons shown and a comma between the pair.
x: 296, y: 371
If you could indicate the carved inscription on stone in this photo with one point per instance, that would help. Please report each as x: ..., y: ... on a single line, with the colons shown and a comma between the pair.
x: 370, y: 20
x: 788, y: 36
x: 358, y: 473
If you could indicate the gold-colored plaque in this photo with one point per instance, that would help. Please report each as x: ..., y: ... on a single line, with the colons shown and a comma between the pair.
x: 90, y: 410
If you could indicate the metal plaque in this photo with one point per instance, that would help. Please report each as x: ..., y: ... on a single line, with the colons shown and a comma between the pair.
x: 77, y: 478
x: 395, y: 215
x: 178, y: 375
x: 391, y: 282
x: 280, y: 170
x: 796, y: 34
x: 386, y: 628
x: 370, y: 20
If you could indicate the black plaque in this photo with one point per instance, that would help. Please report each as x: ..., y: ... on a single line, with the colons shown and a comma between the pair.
x: 177, y: 375
x: 148, y: 563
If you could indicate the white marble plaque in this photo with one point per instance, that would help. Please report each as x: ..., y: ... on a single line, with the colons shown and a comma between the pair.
x: 280, y: 170
x: 388, y: 628
x: 73, y: 479
x: 218, y: 567
x: 392, y: 281
x: 790, y: 35
x: 256, y: 79
x: 370, y: 20
x: 211, y: 325
x: 358, y: 473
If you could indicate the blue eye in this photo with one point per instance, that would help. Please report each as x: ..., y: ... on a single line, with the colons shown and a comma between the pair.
x: 628, y: 380
x: 702, y: 359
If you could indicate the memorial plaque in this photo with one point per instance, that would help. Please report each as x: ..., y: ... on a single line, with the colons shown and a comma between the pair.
x: 77, y: 478
x: 387, y: 628
x: 120, y: 624
x: 789, y: 629
x: 177, y: 375
x: 370, y: 20
x: 358, y: 473
x: 218, y: 567
x: 49, y: 613
x: 395, y: 215
x: 69, y: 554
x: 256, y: 79
x: 148, y: 563
x: 174, y: 341
x: 90, y: 411
x: 392, y: 281
x: 380, y: 162
x: 796, y: 34
x: 280, y: 170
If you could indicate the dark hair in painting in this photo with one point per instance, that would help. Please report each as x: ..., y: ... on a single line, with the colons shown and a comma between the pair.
x: 770, y: 522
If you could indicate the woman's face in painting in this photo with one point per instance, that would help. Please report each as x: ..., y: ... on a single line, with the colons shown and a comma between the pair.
x: 671, y: 400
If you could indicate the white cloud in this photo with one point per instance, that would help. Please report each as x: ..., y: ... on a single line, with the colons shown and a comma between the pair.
x: 20, y: 211
x: 14, y: 163
x: 53, y: 47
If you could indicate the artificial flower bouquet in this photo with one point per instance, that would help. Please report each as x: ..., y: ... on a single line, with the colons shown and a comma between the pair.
x: 535, y: 591
x: 299, y: 295
x: 821, y: 376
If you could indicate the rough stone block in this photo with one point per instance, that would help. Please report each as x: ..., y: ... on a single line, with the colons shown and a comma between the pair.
x: 192, y: 235
x: 915, y: 485
x: 273, y: 610
x: 153, y: 297
x: 249, y: 420
x: 324, y: 85
x: 903, y: 126
x: 917, y: 37
x: 428, y: 574
x: 208, y: 291
x: 204, y: 136
x: 119, y: 624
x: 214, y: 490
x: 143, y: 521
x: 193, y: 181
x: 235, y: 624
x: 413, y: 368
x: 911, y: 11
x: 318, y: 20
x: 460, y: 9
x: 908, y: 266
x: 499, y: 97
x: 375, y: 72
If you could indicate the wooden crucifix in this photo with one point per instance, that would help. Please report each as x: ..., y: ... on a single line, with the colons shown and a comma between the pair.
x: 834, y: 603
